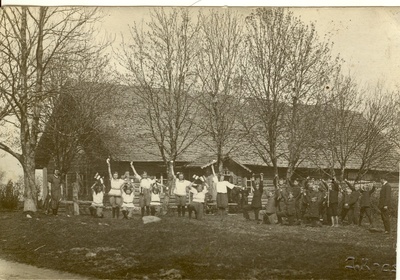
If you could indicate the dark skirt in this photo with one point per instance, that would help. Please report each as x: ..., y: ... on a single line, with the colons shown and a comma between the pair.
x: 222, y: 200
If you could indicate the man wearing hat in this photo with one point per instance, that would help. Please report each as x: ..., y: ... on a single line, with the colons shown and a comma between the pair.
x: 145, y: 193
x: 384, y: 203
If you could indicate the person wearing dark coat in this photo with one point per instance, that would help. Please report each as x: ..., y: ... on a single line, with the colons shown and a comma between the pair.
x: 256, y: 204
x: 314, y: 200
x: 296, y: 191
x: 289, y: 211
x: 270, y: 209
x: 350, y: 202
x: 280, y: 195
x: 365, y: 204
x: 244, y: 202
x: 332, y: 201
x: 384, y: 203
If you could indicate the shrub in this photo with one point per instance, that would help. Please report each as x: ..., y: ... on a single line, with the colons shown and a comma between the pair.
x: 9, y: 196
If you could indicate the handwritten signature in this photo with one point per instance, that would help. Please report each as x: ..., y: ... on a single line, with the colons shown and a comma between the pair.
x: 352, y: 264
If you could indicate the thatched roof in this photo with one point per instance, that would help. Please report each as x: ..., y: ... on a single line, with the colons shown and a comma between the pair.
x: 127, y: 139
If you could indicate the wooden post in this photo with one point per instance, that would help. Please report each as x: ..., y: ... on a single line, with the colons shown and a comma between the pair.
x: 45, y: 184
x: 75, y: 192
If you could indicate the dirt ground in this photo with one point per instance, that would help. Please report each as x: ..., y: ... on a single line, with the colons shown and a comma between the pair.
x: 174, y: 248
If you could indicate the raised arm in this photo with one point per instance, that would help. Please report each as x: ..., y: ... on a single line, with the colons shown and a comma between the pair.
x: 134, y: 170
x: 275, y: 181
x: 261, y: 183
x: 172, y: 169
x: 325, y: 184
x: 335, y: 185
x: 372, y: 190
x: 349, y: 185
x: 213, y: 171
x: 92, y: 187
x: 109, y: 168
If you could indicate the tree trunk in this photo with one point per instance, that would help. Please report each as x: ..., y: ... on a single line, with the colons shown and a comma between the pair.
x: 30, y: 193
x: 289, y: 172
x: 342, y: 171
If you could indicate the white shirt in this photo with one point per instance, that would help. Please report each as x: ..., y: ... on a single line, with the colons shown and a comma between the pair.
x: 127, y: 199
x: 222, y: 186
x: 180, y: 187
x: 155, y: 199
x: 145, y: 183
x: 116, y: 187
x: 199, y: 196
x: 98, y: 198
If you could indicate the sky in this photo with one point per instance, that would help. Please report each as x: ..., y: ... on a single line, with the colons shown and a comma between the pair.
x: 368, y: 39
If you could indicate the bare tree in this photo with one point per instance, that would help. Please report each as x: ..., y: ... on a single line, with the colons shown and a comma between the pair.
x: 265, y: 82
x: 160, y: 59
x: 74, y: 123
x: 310, y: 66
x: 339, y: 125
x: 218, y: 70
x: 377, y: 132
x: 30, y: 40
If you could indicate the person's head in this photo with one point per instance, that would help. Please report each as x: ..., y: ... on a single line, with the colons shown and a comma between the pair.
x: 199, y: 187
x: 144, y: 175
x: 357, y: 187
x: 128, y: 190
x: 348, y: 190
x: 280, y: 181
x: 56, y: 172
x: 181, y: 177
x: 315, y: 187
x: 257, y: 184
x: 383, y: 180
x: 296, y: 182
x: 270, y: 194
x: 115, y: 175
x: 97, y: 188
x: 290, y: 196
x: 221, y: 177
x: 155, y: 189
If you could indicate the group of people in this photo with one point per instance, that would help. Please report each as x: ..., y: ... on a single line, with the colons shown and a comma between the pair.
x: 297, y: 202
x: 314, y: 201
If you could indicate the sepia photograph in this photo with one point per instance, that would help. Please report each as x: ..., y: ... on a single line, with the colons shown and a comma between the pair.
x: 199, y: 142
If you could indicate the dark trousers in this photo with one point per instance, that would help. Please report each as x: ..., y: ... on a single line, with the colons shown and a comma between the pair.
x: 290, y: 218
x: 298, y: 209
x: 181, y: 211
x: 367, y: 211
x: 385, y: 219
x: 145, y: 209
x: 350, y: 213
x: 256, y: 211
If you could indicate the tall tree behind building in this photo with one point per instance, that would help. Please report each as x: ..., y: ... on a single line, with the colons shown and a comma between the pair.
x: 30, y: 40
x: 160, y: 57
x: 220, y: 81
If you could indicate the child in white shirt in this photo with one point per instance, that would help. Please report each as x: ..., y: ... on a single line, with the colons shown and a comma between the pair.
x: 127, y: 195
x: 155, y: 199
x: 197, y: 204
x: 96, y: 208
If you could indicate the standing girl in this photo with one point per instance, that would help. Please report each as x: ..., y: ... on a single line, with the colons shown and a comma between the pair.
x: 222, y: 192
x: 180, y: 190
x: 115, y: 191
x: 144, y: 188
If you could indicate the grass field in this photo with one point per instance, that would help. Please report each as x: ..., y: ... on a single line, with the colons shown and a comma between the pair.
x: 181, y: 248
